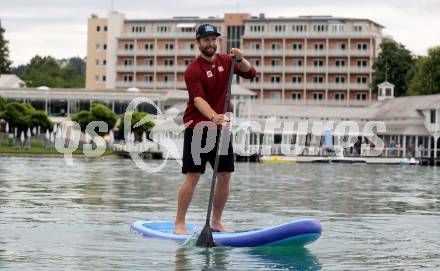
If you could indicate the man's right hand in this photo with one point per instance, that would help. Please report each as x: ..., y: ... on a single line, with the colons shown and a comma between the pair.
x: 220, y: 119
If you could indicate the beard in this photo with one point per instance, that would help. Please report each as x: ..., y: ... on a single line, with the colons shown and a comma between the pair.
x: 208, y: 51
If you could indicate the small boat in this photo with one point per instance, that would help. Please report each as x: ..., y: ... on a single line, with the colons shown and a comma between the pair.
x: 409, y: 161
x: 275, y: 159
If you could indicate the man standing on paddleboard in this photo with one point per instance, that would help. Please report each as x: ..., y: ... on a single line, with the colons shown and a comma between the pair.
x: 206, y: 79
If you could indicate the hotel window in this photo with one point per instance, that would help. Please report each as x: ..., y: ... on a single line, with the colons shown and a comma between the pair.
x: 148, y: 62
x: 297, y: 62
x: 188, y: 61
x: 104, y: 78
x: 279, y: 28
x: 128, y: 78
x: 148, y: 78
x: 96, y: 77
x: 104, y: 62
x: 255, y: 79
x: 257, y: 28
x: 296, y: 79
x: 318, y: 96
x: 299, y: 28
x: 361, y: 79
x: 296, y: 95
x: 297, y: 46
x: 148, y: 46
x: 163, y: 28
x: 433, y: 116
x: 276, y: 46
x: 362, y: 63
x: 318, y: 62
x: 104, y: 46
x: 275, y: 79
x: 168, y: 78
x: 128, y: 46
x: 255, y: 62
x: 138, y: 29
x: 341, y: 46
x: 275, y: 95
x: 319, y: 46
x: 362, y: 46
x: 255, y: 46
x: 276, y: 62
x: 98, y: 46
x: 357, y: 28
x: 320, y: 28
x: 318, y: 79
x: 169, y: 46
x: 191, y: 46
x: 97, y: 62
x: 340, y: 79
x: 340, y: 63
x: 187, y: 29
x: 339, y: 96
x: 98, y: 29
x: 169, y: 62
x: 128, y: 62
x: 105, y: 28
x: 361, y: 96
x: 338, y: 28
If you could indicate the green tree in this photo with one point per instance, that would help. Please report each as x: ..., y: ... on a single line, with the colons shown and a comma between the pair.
x: 16, y: 115
x: 83, y: 118
x: 38, y: 118
x: 136, y: 118
x: 103, y: 113
x: 45, y: 71
x: 426, y: 79
x: 2, y: 104
x: 99, y: 112
x: 5, y: 63
x: 395, y: 63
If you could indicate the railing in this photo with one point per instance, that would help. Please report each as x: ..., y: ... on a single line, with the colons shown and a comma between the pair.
x: 300, y: 35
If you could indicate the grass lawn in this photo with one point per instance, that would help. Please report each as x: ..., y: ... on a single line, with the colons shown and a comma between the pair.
x: 37, y: 147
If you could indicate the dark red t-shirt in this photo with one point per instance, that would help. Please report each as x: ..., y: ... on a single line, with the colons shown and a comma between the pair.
x: 209, y: 80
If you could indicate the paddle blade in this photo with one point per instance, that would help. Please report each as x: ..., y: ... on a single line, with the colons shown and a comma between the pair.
x: 205, y: 238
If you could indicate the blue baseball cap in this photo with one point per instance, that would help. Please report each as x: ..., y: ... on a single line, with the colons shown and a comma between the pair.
x: 205, y: 30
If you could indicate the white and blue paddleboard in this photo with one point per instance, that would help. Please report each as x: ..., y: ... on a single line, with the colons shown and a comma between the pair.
x: 295, y: 233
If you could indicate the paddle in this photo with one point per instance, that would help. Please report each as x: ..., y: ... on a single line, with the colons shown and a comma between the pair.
x: 205, y: 238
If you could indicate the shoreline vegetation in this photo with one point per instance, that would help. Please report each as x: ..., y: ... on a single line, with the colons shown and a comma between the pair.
x: 37, y: 149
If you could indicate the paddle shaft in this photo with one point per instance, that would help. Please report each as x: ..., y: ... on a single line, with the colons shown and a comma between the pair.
x: 217, y: 156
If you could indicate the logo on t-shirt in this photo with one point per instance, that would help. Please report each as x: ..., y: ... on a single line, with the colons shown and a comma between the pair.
x: 220, y: 68
x: 209, y: 73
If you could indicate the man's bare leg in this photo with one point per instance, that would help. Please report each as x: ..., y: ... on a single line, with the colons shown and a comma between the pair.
x: 220, y: 197
x: 185, y: 196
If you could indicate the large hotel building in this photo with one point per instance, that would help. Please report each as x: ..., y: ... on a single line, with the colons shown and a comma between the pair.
x: 299, y: 60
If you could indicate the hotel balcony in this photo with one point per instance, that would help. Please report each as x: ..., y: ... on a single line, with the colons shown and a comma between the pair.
x: 317, y: 69
x: 360, y: 69
x: 294, y: 86
x: 157, y: 35
x: 355, y: 86
x: 316, y: 86
x: 123, y: 68
x: 123, y: 84
x: 337, y: 86
x: 312, y: 52
x: 301, y: 35
x: 124, y: 52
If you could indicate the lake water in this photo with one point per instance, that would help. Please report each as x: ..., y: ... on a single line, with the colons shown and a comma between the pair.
x: 60, y: 217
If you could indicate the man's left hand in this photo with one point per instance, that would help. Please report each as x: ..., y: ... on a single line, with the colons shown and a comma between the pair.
x: 236, y: 52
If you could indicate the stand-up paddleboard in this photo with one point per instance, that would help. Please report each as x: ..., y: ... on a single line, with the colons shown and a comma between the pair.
x: 295, y: 233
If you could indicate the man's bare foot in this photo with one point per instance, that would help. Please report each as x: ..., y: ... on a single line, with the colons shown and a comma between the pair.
x: 180, y: 229
x: 218, y: 226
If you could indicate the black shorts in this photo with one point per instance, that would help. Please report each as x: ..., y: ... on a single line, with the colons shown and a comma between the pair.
x: 226, y: 161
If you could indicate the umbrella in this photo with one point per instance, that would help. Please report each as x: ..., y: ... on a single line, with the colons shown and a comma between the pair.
x: 7, y: 128
x: 22, y: 137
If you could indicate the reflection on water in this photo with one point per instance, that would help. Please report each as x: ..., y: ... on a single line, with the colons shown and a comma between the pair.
x: 374, y: 217
x: 220, y: 258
